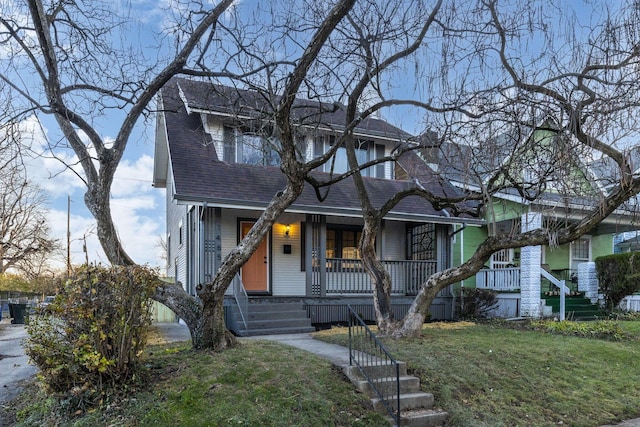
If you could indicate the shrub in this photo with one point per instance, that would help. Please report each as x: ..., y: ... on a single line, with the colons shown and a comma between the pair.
x: 602, y: 329
x: 618, y: 276
x: 88, y: 342
x: 473, y: 303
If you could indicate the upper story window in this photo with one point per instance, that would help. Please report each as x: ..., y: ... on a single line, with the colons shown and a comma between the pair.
x: 249, y: 148
x: 366, y: 151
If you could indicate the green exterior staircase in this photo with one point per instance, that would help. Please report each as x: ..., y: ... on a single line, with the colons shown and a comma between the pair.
x: 577, y: 306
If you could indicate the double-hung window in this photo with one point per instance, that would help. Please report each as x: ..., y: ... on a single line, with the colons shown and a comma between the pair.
x: 240, y: 146
x: 365, y: 150
x: 342, y: 242
x: 580, y: 251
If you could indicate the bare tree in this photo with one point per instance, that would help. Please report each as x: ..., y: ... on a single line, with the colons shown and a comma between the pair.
x: 581, y: 84
x: 24, y: 232
x: 87, y: 71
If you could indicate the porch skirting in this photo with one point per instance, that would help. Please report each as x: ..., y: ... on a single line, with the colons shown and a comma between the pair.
x: 334, y: 309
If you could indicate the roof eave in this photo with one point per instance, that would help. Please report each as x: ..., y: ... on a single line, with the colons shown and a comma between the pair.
x: 332, y: 127
x: 326, y: 210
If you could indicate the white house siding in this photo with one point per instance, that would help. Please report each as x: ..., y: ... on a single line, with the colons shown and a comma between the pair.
x: 215, y: 128
x: 288, y: 279
x: 394, y: 240
x: 229, y: 237
x: 388, y: 166
x: 176, y: 215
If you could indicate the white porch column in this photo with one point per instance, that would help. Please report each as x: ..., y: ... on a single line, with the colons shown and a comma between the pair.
x: 588, y: 280
x: 530, y: 257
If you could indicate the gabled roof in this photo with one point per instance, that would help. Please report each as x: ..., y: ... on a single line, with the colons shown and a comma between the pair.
x: 200, y: 177
x: 200, y: 96
x: 472, y: 166
x: 607, y: 171
x: 468, y: 168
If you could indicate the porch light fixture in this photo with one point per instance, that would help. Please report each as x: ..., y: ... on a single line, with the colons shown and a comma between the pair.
x: 287, y: 229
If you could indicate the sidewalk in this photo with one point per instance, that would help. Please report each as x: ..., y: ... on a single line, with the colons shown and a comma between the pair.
x: 14, y: 364
x: 338, y: 355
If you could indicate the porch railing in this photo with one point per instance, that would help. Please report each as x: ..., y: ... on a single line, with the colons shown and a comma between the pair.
x: 241, y: 298
x: 370, y: 356
x: 560, y: 284
x: 499, y: 279
x: 630, y: 303
x: 348, y: 276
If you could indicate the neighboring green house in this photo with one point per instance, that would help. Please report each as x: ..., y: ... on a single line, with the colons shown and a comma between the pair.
x: 562, y: 197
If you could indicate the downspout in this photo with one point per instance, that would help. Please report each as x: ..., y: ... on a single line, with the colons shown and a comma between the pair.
x: 202, y: 229
x: 451, y: 236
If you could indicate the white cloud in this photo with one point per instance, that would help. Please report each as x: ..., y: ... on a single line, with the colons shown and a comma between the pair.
x: 81, y: 229
x: 51, y: 173
x: 134, y: 205
x: 133, y: 177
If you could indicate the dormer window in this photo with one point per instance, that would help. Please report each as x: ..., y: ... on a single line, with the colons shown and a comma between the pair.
x: 366, y: 150
x: 247, y: 147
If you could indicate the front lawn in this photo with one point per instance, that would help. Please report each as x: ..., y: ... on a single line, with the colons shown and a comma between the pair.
x: 482, y: 374
x: 260, y: 383
x: 491, y: 375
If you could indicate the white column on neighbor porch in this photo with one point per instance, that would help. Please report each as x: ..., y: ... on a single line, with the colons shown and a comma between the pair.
x: 530, y: 257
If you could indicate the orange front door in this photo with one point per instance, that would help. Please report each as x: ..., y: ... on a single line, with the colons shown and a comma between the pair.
x: 254, y: 272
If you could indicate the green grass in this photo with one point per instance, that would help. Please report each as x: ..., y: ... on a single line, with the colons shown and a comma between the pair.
x: 258, y: 383
x: 482, y: 374
x: 489, y: 375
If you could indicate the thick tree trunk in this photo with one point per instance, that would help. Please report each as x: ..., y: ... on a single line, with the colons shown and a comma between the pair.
x: 379, y: 276
x: 411, y: 325
x: 185, y: 306
x: 99, y: 204
x: 212, y: 333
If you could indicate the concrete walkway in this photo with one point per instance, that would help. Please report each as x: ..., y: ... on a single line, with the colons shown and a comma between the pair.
x: 14, y: 364
x: 336, y: 354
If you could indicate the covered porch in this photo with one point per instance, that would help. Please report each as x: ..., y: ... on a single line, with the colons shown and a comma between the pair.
x: 532, y: 275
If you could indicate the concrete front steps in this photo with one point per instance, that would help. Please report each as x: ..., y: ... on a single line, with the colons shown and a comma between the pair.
x: 273, y: 319
x: 416, y: 407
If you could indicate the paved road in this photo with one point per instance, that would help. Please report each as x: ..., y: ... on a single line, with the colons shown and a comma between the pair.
x: 14, y: 364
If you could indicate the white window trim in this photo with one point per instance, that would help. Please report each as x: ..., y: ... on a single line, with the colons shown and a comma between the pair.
x: 571, y: 257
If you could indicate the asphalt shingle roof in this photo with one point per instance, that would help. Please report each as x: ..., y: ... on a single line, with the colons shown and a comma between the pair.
x: 200, y: 176
x: 204, y: 96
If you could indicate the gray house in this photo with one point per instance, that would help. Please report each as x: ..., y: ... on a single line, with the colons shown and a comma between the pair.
x: 220, y: 172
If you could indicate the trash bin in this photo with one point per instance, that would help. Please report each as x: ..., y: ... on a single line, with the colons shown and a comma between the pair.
x: 17, y: 312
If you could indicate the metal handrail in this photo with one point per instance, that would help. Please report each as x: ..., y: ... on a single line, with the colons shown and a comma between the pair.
x: 241, y: 298
x: 366, y: 350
